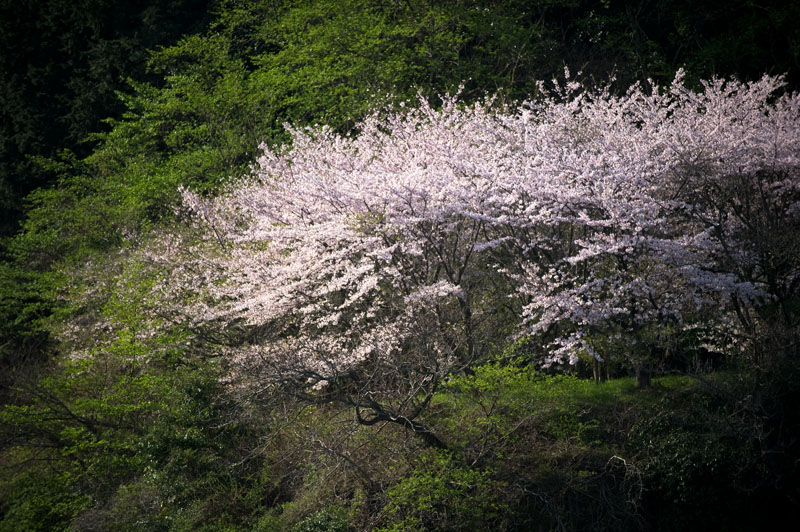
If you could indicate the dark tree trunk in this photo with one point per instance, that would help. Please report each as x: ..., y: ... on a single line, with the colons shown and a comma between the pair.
x: 642, y: 376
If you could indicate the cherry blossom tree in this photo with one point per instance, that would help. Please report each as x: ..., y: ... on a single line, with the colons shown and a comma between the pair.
x: 658, y: 187
x: 739, y: 191
x: 366, y: 268
x: 632, y: 260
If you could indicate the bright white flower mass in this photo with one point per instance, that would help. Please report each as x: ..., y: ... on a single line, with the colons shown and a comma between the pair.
x: 432, y: 234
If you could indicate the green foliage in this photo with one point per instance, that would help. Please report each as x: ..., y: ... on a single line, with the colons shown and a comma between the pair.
x: 24, y: 341
x: 560, y: 437
x: 329, y: 519
x: 505, y: 400
x: 440, y: 494
x: 96, y: 426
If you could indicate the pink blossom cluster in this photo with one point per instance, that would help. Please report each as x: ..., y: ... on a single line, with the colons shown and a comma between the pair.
x: 432, y: 233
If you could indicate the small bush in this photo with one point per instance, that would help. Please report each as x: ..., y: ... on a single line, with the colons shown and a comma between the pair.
x: 443, y: 495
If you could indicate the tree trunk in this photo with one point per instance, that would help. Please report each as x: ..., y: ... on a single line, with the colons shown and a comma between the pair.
x: 597, y: 371
x: 642, y: 376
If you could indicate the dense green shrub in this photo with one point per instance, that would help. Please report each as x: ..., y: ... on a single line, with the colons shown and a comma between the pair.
x: 442, y: 495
